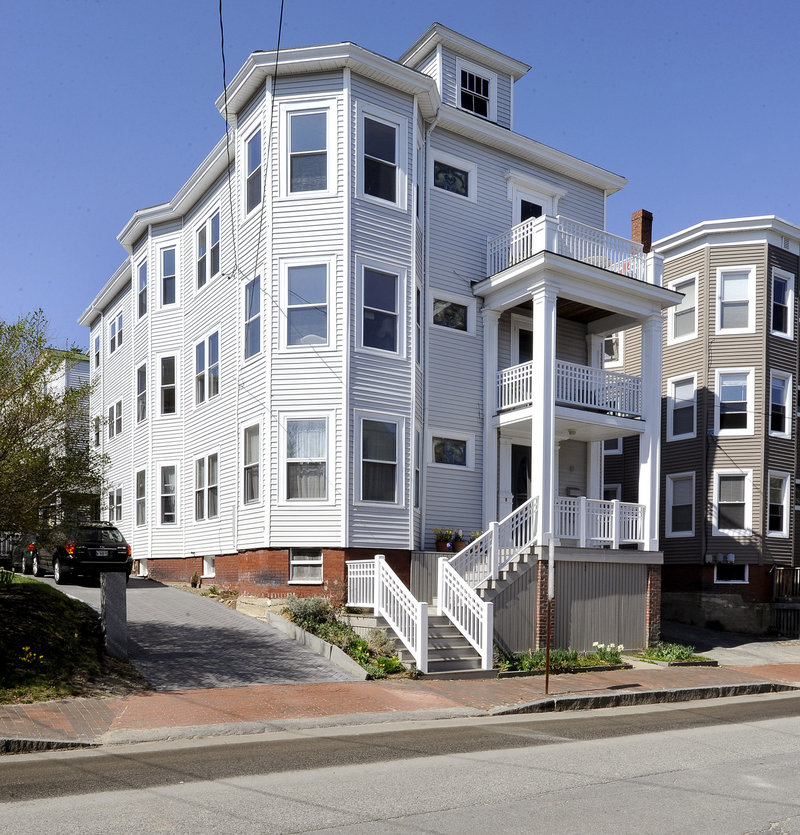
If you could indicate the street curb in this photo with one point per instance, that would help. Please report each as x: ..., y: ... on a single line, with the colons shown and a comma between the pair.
x: 641, y: 697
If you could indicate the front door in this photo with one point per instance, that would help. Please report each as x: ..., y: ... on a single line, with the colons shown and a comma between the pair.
x: 520, y: 474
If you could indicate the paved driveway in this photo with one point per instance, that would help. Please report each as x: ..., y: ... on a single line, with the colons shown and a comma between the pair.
x: 182, y: 641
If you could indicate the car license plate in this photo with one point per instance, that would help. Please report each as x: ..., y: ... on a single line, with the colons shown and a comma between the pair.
x: 102, y: 552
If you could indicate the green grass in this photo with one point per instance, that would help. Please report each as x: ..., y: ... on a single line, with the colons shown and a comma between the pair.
x: 50, y: 644
x: 671, y: 652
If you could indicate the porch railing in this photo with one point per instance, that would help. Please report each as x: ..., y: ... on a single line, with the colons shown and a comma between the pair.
x: 372, y: 583
x: 494, y: 549
x: 567, y: 237
x: 595, y: 522
x: 786, y: 582
x: 575, y: 385
x: 473, y: 617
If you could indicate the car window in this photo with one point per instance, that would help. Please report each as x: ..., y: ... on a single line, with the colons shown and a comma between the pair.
x: 100, y: 536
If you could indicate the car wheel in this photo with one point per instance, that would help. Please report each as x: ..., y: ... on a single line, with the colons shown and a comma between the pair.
x: 37, y: 566
x: 59, y: 575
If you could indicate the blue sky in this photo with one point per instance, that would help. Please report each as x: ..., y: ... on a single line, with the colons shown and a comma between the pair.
x: 109, y: 107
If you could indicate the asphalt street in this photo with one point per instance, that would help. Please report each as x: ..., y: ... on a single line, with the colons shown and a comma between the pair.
x: 726, y: 766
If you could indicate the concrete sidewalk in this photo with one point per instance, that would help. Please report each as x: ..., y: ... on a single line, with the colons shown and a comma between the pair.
x: 155, y: 716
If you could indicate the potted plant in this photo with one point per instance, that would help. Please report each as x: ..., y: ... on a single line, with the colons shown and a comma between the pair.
x: 459, y: 543
x: 443, y: 537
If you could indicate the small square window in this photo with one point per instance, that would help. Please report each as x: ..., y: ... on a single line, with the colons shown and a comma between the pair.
x: 450, y: 451
x: 451, y: 314
x: 449, y: 178
x: 731, y: 572
x: 305, y: 565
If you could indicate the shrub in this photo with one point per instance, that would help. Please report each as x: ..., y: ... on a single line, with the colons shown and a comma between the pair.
x: 309, y: 612
x: 669, y: 652
x: 379, y: 642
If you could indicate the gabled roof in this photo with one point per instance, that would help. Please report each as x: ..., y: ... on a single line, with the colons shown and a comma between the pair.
x: 478, y: 52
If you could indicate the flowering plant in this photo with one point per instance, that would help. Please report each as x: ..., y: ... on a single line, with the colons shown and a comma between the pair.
x: 443, y: 534
x: 473, y: 535
x: 609, y: 653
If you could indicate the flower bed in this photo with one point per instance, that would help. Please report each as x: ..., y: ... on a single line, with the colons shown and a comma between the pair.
x: 532, y: 662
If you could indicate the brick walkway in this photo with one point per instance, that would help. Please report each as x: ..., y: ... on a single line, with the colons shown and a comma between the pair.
x: 162, y: 715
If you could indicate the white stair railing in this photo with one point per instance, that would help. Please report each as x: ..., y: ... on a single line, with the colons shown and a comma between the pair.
x: 494, y: 549
x: 373, y: 583
x: 472, y: 616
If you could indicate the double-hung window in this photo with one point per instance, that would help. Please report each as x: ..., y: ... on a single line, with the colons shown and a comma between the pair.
x: 141, y: 497
x: 734, y: 401
x: 681, y: 408
x: 735, y: 299
x: 778, y: 505
x: 379, y: 310
x: 252, y: 464
x: 168, y: 400
x: 206, y: 486
x: 142, y: 297
x: 782, y: 303
x: 206, y: 368
x: 98, y: 422
x: 115, y: 333
x: 379, y: 460
x: 169, y: 494
x: 680, y: 505
x: 682, y: 318
x: 115, y: 505
x: 780, y: 403
x: 612, y: 350
x: 168, y: 276
x: 253, y: 172
x: 380, y: 159
x: 208, y: 250
x: 307, y: 304
x: 97, y: 352
x: 115, y: 419
x: 306, y: 458
x: 141, y: 393
x: 308, y: 154
x: 732, y: 502
x: 252, y: 317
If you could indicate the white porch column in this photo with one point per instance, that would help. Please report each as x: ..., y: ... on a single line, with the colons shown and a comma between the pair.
x: 594, y: 451
x: 649, y: 441
x: 543, y: 411
x: 491, y: 319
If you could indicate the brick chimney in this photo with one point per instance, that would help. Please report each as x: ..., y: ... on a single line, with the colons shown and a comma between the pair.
x: 642, y: 228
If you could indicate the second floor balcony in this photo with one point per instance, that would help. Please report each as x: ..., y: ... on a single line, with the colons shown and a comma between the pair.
x: 577, y: 386
x: 572, y: 239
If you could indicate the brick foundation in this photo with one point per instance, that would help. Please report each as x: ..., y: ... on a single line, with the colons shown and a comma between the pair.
x: 540, y: 639
x: 653, y: 612
x: 265, y: 572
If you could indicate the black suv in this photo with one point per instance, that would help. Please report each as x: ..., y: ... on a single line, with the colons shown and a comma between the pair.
x: 88, y: 549
x: 22, y: 553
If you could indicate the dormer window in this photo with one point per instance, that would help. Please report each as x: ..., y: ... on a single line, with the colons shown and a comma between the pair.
x: 476, y: 90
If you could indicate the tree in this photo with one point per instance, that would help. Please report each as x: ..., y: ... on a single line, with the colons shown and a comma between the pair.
x: 48, y: 471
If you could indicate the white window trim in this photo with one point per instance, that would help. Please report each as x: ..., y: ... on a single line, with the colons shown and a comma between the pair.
x: 400, y: 123
x: 204, y: 339
x: 261, y: 481
x: 313, y: 105
x: 328, y: 415
x: 113, y: 432
x: 143, y: 263
x: 454, y: 436
x: 400, y: 302
x: 97, y: 352
x: 445, y: 296
x: 307, y: 561
x: 668, y: 531
x: 617, y: 450
x: 483, y: 72
x: 159, y: 466
x: 751, y: 299
x: 750, y: 371
x: 147, y: 386
x: 259, y: 277
x: 115, y: 321
x: 177, y: 384
x: 206, y: 517
x: 620, y: 335
x: 671, y: 381
x: 673, y: 285
x: 284, y: 264
x: 137, y: 499
x: 160, y: 256
x: 471, y: 169
x: 787, y: 494
x: 787, y: 404
x: 733, y: 582
x: 789, y: 278
x: 748, y: 504
x: 616, y: 487
x: 400, y: 462
x: 251, y: 132
x: 209, y: 567
x: 207, y: 226
x: 520, y: 187
x: 117, y: 506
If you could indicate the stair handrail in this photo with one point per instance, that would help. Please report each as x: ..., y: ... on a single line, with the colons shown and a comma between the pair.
x: 473, y: 617
x: 374, y: 584
x: 496, y: 547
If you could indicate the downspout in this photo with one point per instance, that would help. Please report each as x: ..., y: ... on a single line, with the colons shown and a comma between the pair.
x: 347, y: 267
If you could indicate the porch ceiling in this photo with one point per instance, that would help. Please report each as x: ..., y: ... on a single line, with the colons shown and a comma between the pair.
x: 571, y: 425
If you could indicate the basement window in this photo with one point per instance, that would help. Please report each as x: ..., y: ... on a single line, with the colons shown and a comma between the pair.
x: 731, y: 573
